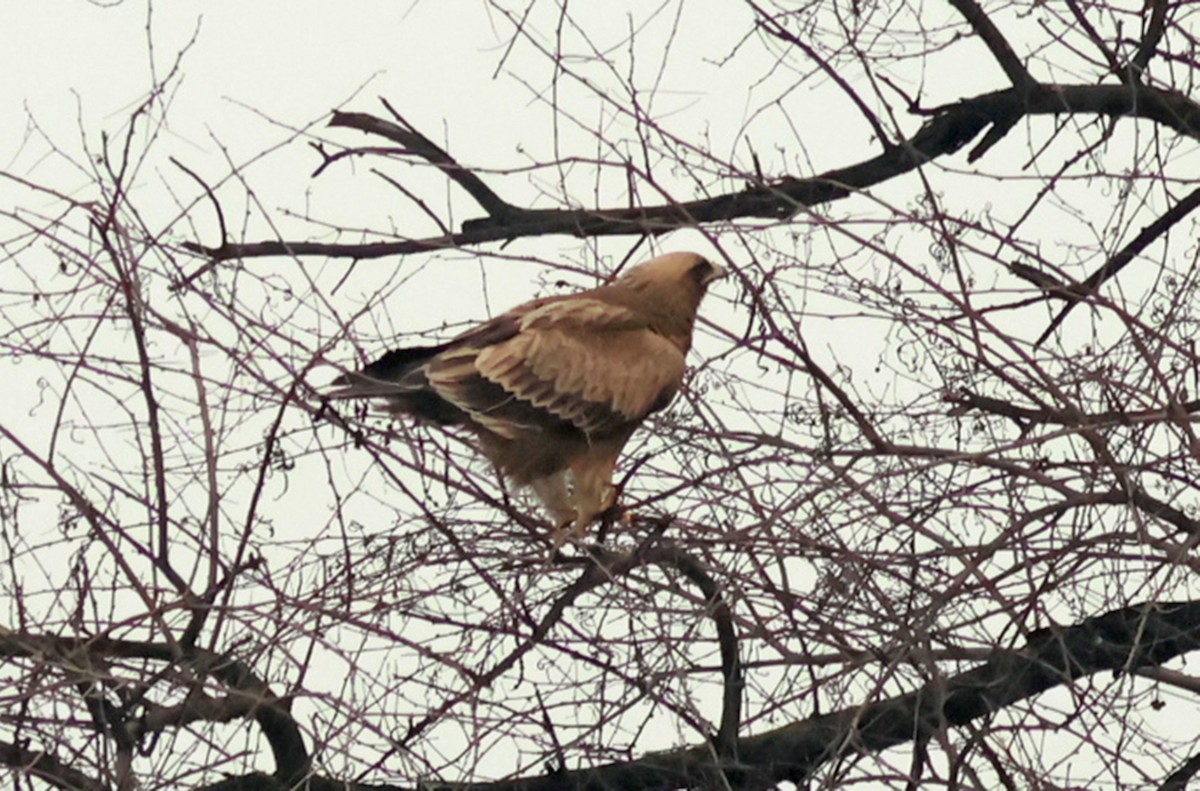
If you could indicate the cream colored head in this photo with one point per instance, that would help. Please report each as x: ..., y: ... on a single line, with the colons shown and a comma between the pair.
x: 672, y: 270
x: 670, y: 288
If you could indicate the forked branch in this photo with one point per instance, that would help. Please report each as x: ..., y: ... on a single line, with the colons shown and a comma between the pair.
x: 247, y: 695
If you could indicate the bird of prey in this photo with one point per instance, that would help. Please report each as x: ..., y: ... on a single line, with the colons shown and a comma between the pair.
x: 554, y: 388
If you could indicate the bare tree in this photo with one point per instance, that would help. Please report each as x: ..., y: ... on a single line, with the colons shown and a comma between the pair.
x: 923, y: 516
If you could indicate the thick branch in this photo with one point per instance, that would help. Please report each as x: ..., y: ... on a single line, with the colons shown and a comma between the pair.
x: 949, y: 130
x: 1123, y: 640
x: 197, y: 707
x: 420, y: 145
x: 292, y: 762
x: 1155, y: 29
x: 966, y: 400
x: 731, y: 668
x: 283, y: 735
x: 1164, y: 511
x: 1148, y: 634
x: 47, y: 768
x: 1178, y: 780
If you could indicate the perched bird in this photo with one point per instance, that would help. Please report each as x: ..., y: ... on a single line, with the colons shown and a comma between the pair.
x: 554, y: 388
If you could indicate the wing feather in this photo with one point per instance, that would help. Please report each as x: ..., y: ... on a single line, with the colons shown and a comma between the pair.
x: 583, y: 361
x: 595, y: 381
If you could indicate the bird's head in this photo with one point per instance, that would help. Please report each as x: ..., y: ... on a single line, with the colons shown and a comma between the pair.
x: 674, y: 277
x: 670, y: 288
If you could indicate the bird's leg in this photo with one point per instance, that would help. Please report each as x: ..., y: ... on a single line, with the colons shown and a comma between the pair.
x: 593, y: 492
x: 594, y: 495
x: 590, y: 494
x: 553, y: 493
x: 613, y: 515
x: 562, y: 533
x: 574, y: 528
x: 556, y: 498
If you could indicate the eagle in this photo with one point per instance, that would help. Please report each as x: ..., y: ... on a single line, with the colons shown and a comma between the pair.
x: 554, y: 388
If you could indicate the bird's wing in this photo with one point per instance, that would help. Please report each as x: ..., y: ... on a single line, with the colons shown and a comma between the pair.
x: 583, y: 361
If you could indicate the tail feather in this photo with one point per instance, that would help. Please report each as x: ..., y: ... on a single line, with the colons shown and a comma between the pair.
x: 396, y: 363
x: 398, y: 377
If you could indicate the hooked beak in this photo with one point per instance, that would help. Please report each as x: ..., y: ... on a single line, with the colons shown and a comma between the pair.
x: 717, y: 273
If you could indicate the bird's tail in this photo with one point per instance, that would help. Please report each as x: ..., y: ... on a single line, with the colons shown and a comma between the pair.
x: 398, y: 377
x: 393, y: 374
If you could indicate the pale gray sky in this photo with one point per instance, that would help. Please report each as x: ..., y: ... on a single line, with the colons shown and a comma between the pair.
x: 258, y: 77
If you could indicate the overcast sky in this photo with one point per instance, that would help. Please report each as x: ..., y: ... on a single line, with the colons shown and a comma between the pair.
x: 255, y: 76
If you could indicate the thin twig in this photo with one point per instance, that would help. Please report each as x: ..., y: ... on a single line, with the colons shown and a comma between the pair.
x: 772, y: 26
x: 1112, y: 267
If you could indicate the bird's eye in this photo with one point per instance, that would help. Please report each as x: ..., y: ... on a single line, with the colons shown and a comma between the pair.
x: 706, y: 272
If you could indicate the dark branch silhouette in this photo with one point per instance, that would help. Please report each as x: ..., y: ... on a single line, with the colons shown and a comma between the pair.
x: 1122, y: 258
x: 1121, y: 641
x: 1001, y: 50
x: 48, y: 768
x: 950, y: 128
x: 248, y: 694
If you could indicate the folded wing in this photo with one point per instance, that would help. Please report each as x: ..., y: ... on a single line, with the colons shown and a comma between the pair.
x: 583, y: 362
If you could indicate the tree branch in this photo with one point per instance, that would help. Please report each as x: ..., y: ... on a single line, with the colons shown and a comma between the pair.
x: 1178, y: 780
x: 774, y: 28
x: 1155, y: 29
x: 966, y: 400
x: 1135, y: 496
x: 1159, y: 509
x: 604, y: 566
x: 951, y: 128
x: 731, y: 668
x: 1001, y: 50
x: 416, y: 143
x: 1114, y: 65
x: 1110, y: 268
x: 1120, y: 641
x: 47, y: 768
x: 292, y: 762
